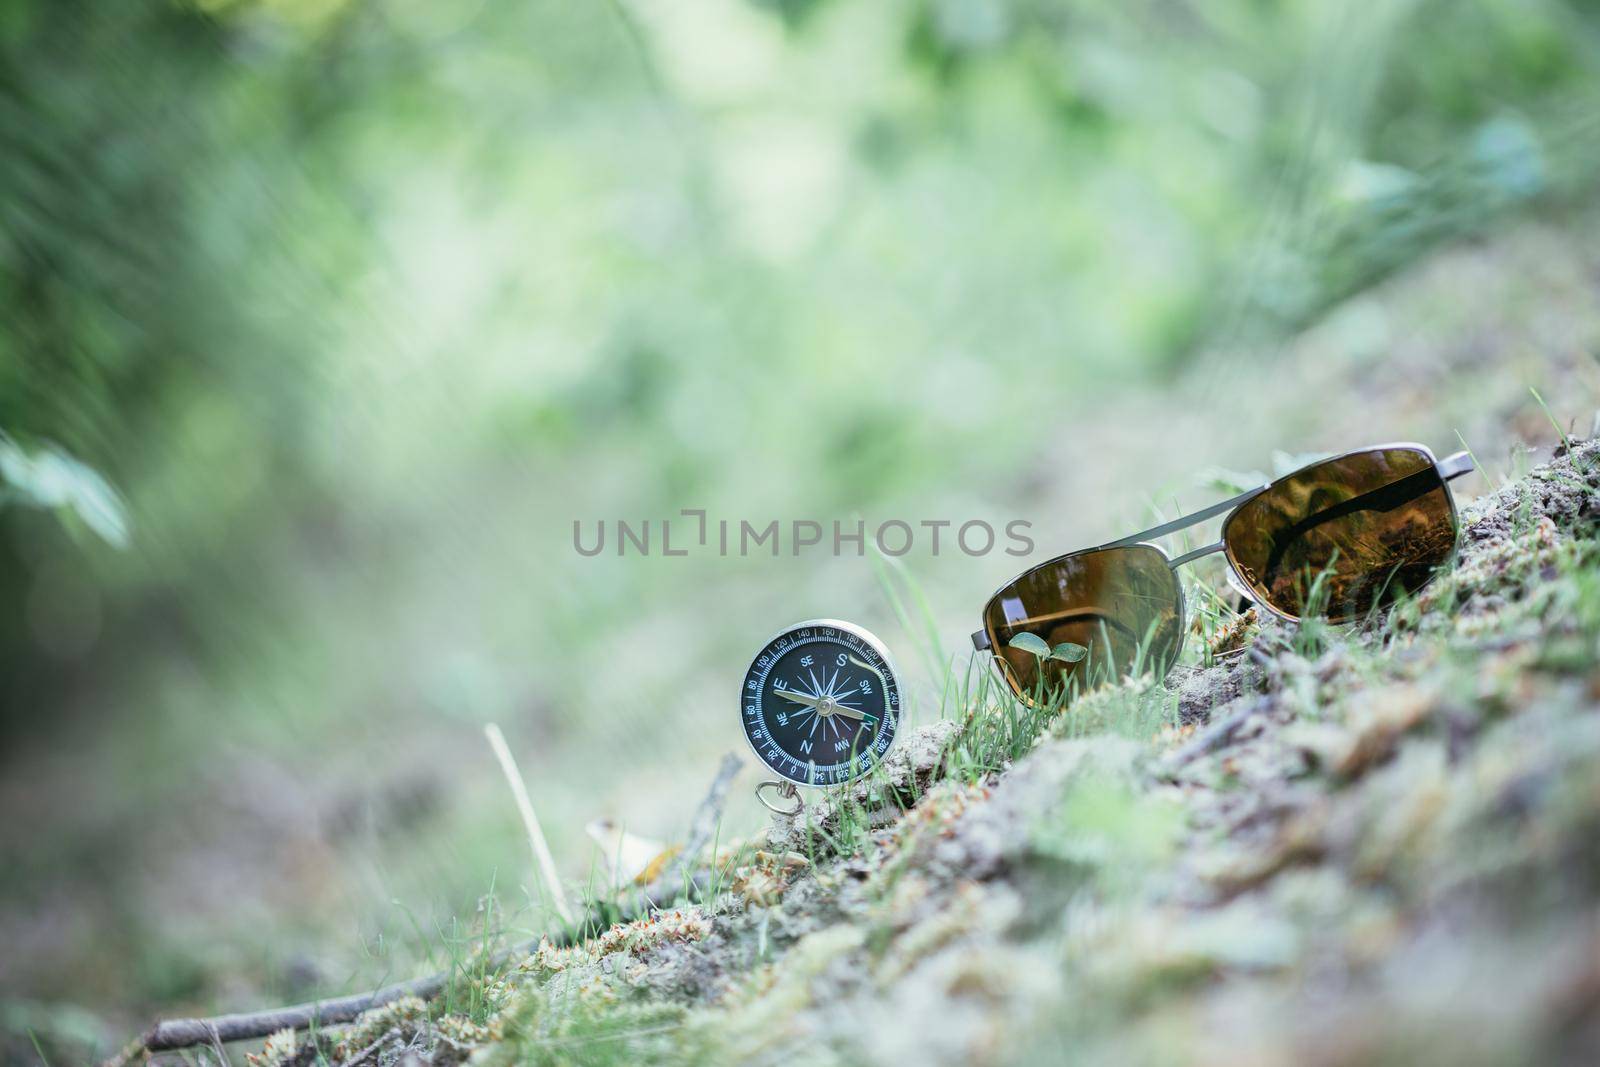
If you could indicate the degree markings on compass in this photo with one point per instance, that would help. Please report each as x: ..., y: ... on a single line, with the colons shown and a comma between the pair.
x: 868, y: 730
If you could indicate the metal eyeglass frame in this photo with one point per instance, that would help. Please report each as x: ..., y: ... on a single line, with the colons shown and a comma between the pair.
x: 1448, y: 469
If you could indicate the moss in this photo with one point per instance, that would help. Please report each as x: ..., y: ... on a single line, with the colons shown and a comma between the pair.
x: 1354, y: 845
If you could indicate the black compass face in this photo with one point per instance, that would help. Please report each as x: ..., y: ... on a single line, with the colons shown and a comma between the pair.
x: 821, y: 703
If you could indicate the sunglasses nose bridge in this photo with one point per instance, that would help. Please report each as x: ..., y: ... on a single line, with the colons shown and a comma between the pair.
x: 1190, y: 557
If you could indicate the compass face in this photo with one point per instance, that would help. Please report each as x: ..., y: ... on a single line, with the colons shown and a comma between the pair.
x: 821, y: 703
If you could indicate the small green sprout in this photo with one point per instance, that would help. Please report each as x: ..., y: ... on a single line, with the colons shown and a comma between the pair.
x: 1065, y: 652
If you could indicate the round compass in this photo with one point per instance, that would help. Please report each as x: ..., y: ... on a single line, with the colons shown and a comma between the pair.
x: 821, y: 702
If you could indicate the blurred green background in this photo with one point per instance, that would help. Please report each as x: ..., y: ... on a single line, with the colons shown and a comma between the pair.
x: 325, y: 319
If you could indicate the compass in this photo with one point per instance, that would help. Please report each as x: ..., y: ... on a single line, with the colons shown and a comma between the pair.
x: 820, y: 703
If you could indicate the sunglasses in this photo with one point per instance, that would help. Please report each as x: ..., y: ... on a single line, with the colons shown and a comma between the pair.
x: 1337, y: 540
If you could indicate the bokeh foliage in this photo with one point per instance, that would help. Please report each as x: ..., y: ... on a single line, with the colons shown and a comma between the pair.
x: 220, y: 219
x: 354, y: 304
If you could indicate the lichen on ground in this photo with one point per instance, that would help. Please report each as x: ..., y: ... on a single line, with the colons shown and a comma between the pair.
x: 1372, y: 844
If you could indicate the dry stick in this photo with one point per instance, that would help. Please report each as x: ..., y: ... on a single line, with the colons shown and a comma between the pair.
x: 541, y: 849
x: 706, y: 818
x: 184, y: 1033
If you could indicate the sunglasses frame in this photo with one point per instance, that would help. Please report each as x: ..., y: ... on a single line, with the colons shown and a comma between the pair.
x: 1448, y: 469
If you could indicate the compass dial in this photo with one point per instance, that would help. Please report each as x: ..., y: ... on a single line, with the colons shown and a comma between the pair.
x: 821, y: 703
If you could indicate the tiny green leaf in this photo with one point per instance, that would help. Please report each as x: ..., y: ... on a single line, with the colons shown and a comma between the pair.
x: 1031, y: 643
x: 1067, y: 652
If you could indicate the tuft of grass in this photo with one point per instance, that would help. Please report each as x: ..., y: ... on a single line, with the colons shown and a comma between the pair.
x: 1566, y: 442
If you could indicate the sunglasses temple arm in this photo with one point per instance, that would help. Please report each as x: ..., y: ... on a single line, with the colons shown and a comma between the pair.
x: 1452, y: 467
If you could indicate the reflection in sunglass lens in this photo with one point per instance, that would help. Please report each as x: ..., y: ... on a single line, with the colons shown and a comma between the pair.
x: 1339, y: 537
x: 1122, y: 606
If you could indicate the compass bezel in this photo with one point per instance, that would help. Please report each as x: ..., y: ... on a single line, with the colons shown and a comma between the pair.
x: 892, y: 701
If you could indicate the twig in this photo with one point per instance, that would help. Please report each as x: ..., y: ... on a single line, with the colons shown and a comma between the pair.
x: 530, y: 821
x: 171, y: 1034
x: 708, y: 815
x: 184, y: 1033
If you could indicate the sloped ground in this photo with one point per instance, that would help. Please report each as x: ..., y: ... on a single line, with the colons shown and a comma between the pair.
x: 263, y: 878
x: 1375, y: 845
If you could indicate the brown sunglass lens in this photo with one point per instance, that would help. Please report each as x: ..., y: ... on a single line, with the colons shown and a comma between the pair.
x: 1340, y: 537
x: 1122, y: 606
